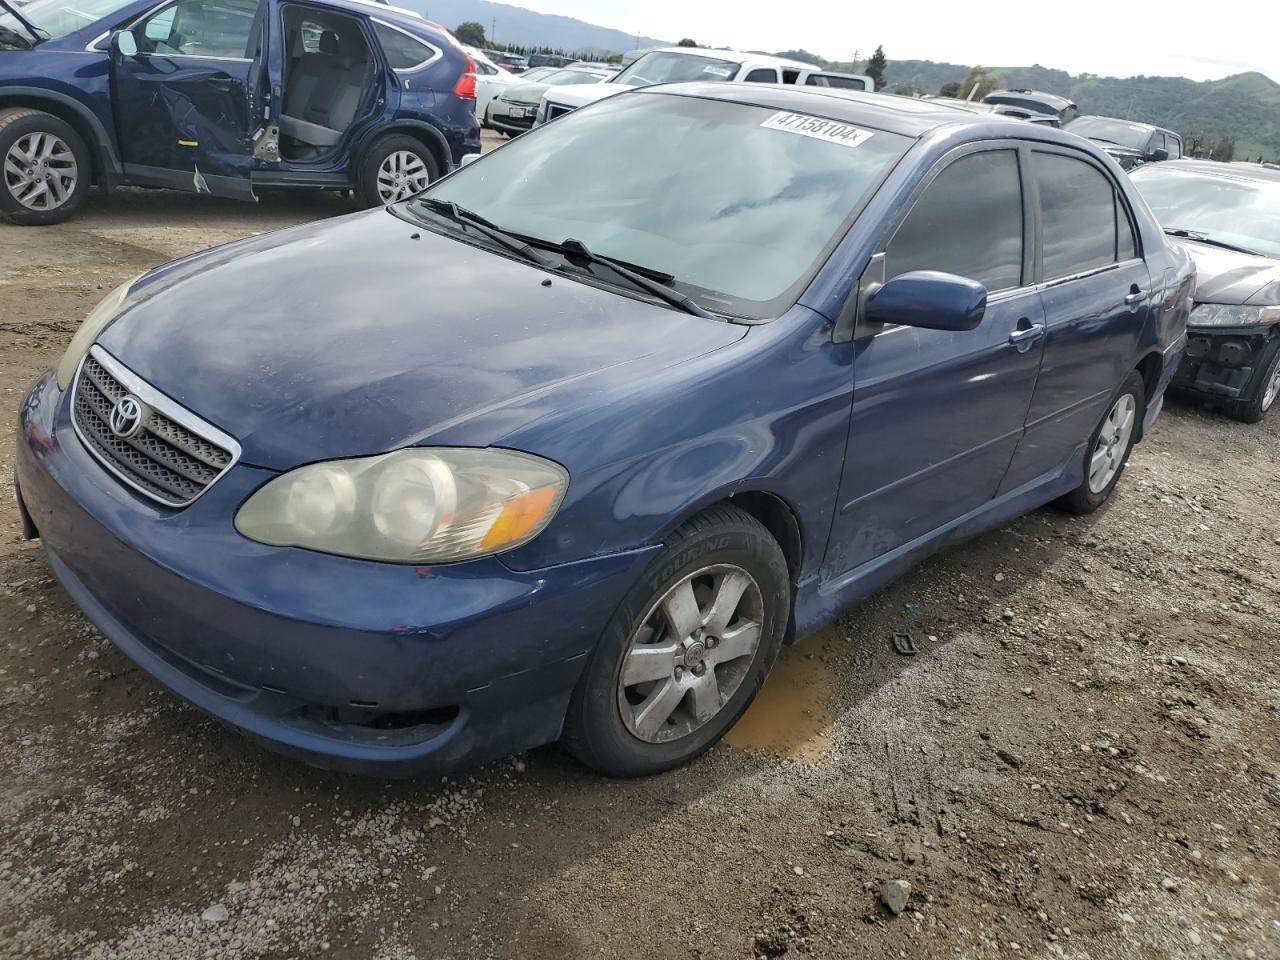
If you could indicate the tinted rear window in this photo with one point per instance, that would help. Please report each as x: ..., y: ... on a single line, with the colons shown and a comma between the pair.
x: 1078, y: 215
x: 402, y: 51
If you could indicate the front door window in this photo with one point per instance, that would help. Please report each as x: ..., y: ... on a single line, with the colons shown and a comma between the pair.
x: 199, y: 28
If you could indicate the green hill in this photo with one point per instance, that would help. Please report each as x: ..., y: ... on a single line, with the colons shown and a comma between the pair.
x: 1244, y: 107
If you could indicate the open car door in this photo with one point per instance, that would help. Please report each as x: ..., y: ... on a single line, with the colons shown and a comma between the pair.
x: 188, y: 90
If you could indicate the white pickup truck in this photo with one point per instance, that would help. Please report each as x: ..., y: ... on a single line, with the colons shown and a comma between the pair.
x: 685, y: 64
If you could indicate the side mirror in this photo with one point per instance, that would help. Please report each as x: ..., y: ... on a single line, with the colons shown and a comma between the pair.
x: 1159, y: 153
x: 929, y: 299
x: 125, y: 43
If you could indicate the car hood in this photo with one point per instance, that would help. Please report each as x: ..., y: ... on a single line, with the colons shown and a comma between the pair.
x: 365, y: 333
x: 1228, y: 276
x: 524, y: 91
x: 580, y: 94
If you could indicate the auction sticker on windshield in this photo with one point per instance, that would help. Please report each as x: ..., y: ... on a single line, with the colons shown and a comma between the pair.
x: 833, y: 131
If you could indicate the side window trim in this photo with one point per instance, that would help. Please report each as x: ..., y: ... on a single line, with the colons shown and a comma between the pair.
x: 436, y: 52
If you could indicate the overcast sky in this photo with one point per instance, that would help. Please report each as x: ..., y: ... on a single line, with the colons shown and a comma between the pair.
x: 1203, y: 41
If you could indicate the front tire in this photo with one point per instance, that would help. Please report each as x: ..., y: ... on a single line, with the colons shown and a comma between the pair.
x: 1109, y: 447
x: 1267, y: 391
x: 45, y: 167
x: 394, y: 168
x: 686, y: 651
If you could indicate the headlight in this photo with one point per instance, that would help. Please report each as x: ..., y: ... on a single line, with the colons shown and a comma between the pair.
x: 1231, y: 315
x: 94, y: 323
x: 418, y: 505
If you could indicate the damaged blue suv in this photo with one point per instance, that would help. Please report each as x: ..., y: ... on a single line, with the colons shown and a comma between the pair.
x: 224, y: 97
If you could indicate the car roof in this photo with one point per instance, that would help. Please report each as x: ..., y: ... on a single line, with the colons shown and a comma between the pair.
x: 737, y: 56
x: 1050, y: 98
x: 910, y: 116
x: 1129, y: 123
x: 1239, y: 170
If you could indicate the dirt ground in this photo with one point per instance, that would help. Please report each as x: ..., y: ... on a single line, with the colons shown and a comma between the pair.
x: 1083, y: 761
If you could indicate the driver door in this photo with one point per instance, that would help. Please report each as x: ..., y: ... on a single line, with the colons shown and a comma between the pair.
x: 187, y: 102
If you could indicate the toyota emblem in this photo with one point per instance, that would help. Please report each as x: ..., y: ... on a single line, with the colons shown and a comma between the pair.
x: 127, y: 417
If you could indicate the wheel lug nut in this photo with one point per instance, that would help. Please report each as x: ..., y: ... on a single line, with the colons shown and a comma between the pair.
x: 710, y: 642
x: 679, y: 672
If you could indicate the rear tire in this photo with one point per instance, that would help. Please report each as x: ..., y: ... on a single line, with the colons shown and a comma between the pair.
x: 394, y: 168
x: 1107, y: 452
x: 707, y: 619
x: 45, y: 167
x: 1266, y: 391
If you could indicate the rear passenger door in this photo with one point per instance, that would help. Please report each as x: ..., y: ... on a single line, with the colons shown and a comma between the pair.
x: 937, y: 414
x: 1096, y: 293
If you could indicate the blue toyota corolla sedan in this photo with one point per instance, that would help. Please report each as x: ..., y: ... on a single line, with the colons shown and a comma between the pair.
x: 569, y: 445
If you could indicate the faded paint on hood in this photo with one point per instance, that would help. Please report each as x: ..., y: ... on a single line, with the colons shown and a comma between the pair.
x: 351, y: 337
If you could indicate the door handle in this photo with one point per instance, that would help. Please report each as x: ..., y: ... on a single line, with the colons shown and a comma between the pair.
x: 1026, y: 334
x: 1135, y: 295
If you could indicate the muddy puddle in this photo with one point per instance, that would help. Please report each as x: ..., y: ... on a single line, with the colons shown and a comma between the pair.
x: 792, y: 715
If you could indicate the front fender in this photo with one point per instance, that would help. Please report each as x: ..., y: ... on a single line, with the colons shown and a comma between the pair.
x: 80, y: 106
x: 768, y: 412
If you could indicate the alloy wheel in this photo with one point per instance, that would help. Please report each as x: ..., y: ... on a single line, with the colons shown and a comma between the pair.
x: 1272, y: 389
x: 40, y: 171
x: 1113, y: 443
x: 401, y: 175
x: 690, y: 653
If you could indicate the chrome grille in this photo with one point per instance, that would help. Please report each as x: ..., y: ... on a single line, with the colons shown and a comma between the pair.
x: 173, y: 456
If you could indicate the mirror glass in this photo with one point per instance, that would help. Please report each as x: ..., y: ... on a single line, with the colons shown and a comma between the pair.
x: 126, y: 43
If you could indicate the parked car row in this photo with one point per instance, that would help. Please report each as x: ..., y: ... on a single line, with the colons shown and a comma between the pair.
x: 692, y: 64
x: 668, y: 411
x: 514, y: 111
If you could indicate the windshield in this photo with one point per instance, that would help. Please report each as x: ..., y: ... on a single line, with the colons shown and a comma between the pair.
x: 739, y: 238
x: 1238, y: 211
x: 563, y: 77
x: 1125, y: 134
x: 537, y: 73
x: 58, y: 18
x: 675, y: 68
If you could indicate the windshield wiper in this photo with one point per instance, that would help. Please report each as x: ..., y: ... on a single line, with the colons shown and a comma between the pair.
x: 12, y: 10
x: 649, y: 280
x: 478, y: 223
x: 1205, y: 238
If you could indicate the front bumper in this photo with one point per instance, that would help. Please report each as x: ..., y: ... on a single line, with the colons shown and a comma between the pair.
x: 1224, y: 362
x: 502, y: 120
x: 375, y: 668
